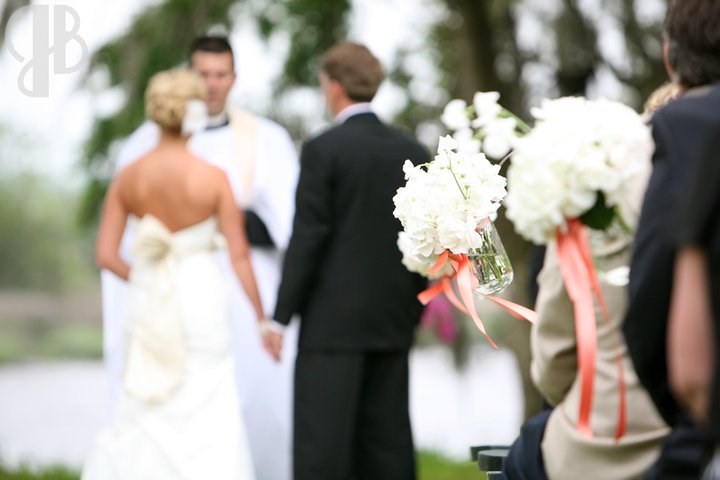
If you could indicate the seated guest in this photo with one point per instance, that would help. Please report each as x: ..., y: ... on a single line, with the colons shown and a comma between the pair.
x: 681, y: 130
x: 550, y: 445
x: 695, y: 303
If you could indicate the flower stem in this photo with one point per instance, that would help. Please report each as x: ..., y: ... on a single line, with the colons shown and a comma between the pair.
x: 455, y: 178
x: 522, y: 126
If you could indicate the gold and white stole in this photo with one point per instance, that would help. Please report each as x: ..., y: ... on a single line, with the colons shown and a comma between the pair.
x: 244, y: 126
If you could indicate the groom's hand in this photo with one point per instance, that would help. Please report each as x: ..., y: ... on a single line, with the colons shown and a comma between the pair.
x: 272, y: 341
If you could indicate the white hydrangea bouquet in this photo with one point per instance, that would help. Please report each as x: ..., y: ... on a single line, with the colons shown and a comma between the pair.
x: 484, y: 125
x: 571, y: 171
x: 442, y: 205
x: 580, y: 161
x: 446, y: 209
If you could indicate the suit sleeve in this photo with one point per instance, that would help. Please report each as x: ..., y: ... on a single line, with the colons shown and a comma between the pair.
x: 645, y: 325
x: 700, y: 210
x: 311, y: 229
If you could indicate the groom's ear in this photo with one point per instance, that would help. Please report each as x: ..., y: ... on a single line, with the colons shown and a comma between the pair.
x: 337, y: 89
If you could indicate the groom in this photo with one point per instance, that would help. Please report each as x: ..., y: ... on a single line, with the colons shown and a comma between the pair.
x: 343, y: 274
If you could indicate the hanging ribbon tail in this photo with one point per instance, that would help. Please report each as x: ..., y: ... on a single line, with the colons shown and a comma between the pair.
x: 440, y: 263
x: 426, y: 295
x: 465, y: 286
x: 580, y: 236
x: 517, y: 311
x: 450, y: 294
x: 579, y: 232
x: 622, y: 407
x: 442, y: 286
x: 578, y: 285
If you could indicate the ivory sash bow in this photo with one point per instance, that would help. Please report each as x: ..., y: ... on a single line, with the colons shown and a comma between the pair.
x: 156, y: 354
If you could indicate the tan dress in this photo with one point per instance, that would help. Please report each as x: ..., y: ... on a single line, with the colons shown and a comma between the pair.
x: 567, y: 453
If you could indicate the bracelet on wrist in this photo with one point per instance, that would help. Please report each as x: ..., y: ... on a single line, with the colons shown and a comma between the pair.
x: 267, y: 325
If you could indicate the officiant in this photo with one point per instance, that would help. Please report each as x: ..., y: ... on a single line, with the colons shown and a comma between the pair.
x: 261, y: 163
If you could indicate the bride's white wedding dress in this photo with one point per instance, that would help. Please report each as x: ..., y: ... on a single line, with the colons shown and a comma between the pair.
x: 179, y: 416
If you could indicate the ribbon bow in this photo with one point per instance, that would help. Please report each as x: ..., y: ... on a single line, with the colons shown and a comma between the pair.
x: 467, y: 283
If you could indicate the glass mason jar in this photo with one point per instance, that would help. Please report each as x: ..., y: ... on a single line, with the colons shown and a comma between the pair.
x: 489, y: 263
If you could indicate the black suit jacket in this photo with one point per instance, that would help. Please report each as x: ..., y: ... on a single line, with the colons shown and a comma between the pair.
x: 343, y: 272
x: 682, y: 132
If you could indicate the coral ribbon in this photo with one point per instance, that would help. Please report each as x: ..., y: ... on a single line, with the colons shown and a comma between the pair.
x: 581, y: 281
x: 467, y: 283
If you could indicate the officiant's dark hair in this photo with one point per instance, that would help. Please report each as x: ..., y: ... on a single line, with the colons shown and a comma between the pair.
x: 356, y: 68
x: 692, y: 32
x: 211, y: 44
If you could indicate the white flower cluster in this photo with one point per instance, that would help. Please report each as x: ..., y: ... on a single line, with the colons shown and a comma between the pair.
x: 484, y: 126
x: 442, y: 204
x: 577, y: 148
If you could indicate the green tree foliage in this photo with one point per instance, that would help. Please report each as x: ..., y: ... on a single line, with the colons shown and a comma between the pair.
x: 312, y: 26
x: 474, y: 46
x: 41, y: 247
x: 6, y: 11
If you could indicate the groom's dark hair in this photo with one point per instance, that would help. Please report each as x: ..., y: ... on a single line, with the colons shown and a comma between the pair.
x: 692, y: 32
x: 211, y: 44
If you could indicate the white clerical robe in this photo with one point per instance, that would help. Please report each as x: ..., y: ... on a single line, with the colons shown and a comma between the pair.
x: 265, y: 387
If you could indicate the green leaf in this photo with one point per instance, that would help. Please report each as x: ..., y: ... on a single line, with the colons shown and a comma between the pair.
x: 600, y: 216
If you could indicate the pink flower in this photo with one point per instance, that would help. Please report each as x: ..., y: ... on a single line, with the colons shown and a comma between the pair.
x: 439, y: 315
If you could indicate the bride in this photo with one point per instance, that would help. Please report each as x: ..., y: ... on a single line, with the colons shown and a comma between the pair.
x: 178, y: 417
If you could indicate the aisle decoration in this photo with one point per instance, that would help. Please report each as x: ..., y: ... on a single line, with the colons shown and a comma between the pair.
x: 446, y: 209
x: 568, y: 173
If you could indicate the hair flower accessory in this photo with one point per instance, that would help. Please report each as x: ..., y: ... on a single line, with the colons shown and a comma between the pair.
x: 196, y: 117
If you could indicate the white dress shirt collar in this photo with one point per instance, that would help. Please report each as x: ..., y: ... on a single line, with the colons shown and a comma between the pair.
x: 219, y: 120
x: 354, y: 109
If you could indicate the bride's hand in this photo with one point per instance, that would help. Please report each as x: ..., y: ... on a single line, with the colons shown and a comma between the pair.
x: 271, y: 339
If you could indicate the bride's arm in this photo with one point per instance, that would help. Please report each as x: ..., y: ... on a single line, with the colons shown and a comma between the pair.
x: 112, y: 226
x: 231, y: 224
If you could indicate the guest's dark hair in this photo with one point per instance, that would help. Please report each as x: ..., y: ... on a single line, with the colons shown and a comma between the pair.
x: 211, y: 44
x: 356, y: 68
x: 692, y: 30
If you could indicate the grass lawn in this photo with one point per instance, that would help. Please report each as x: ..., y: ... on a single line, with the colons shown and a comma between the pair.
x: 435, y: 467
x: 430, y: 467
x: 28, y: 473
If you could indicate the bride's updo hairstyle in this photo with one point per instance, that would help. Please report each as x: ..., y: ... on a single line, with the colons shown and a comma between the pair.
x: 168, y: 94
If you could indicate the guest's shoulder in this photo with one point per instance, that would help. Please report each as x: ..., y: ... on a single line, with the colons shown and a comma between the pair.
x: 690, y: 119
x: 696, y: 102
